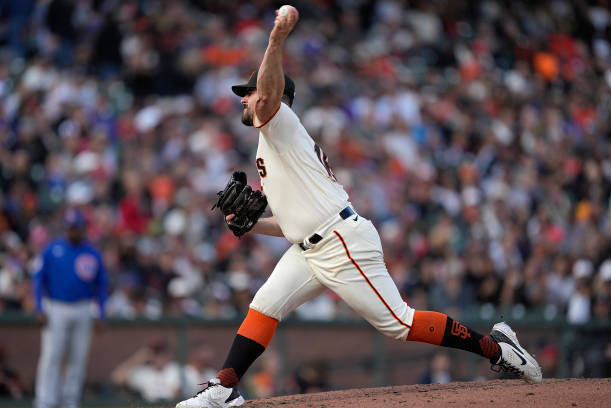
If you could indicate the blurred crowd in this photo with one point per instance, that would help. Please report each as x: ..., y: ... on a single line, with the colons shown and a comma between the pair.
x: 475, y: 135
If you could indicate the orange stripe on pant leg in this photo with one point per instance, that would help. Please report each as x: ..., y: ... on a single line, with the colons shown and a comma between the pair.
x: 368, y: 281
x: 428, y: 327
x: 258, y: 327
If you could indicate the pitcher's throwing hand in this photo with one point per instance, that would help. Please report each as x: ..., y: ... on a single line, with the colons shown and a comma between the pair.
x: 286, y: 18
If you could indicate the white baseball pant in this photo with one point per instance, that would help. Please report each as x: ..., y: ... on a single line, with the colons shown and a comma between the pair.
x: 349, y: 261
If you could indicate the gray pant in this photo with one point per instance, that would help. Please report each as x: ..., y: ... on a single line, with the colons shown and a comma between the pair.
x: 68, y: 327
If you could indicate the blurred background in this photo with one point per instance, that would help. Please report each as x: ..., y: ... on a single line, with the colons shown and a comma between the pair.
x: 475, y: 135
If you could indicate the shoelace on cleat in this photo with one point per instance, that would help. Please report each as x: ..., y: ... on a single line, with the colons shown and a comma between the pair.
x: 503, y: 365
x: 208, y: 385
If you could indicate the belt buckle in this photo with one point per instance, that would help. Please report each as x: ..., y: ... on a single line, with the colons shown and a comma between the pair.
x: 309, y: 242
x: 306, y: 244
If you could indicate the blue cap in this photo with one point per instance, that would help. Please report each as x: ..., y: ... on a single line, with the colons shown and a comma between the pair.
x: 73, y: 218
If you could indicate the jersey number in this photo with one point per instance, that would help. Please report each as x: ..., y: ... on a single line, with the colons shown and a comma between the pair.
x: 324, y: 160
x: 261, y: 167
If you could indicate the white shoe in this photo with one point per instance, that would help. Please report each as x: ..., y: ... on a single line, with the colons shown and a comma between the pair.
x: 214, y: 396
x: 514, y: 358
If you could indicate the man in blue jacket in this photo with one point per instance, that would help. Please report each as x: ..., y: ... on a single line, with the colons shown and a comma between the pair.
x: 71, y: 275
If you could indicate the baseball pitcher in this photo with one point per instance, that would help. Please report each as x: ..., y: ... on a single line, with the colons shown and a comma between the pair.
x: 333, y: 246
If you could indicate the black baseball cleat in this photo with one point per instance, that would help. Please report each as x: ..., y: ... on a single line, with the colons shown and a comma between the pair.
x: 214, y: 396
x: 514, y: 358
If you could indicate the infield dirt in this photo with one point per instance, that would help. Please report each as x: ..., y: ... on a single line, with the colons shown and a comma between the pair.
x: 556, y: 393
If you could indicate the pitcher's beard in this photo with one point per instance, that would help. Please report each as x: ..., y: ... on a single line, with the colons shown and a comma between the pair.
x: 246, y: 118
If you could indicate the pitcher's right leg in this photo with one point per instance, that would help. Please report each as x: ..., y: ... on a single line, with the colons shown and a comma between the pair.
x: 291, y: 284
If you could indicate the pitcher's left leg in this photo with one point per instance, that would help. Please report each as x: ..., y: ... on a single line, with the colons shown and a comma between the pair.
x: 352, y: 266
x: 363, y: 282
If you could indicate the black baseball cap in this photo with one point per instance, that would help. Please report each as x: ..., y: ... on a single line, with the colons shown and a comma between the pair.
x: 241, y: 90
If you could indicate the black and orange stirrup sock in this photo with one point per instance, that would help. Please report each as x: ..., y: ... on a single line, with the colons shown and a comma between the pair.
x: 441, y: 330
x: 253, y: 337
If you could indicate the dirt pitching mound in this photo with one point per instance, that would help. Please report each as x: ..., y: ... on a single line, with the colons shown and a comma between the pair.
x: 500, y: 393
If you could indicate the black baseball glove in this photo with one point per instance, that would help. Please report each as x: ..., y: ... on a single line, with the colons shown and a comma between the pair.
x: 239, y: 199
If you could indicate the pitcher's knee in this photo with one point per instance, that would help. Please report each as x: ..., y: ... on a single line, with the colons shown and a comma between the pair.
x: 397, y: 333
x: 270, y: 309
x: 395, y: 325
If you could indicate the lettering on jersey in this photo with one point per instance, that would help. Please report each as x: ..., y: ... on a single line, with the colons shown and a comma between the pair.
x: 261, y: 167
x: 86, y: 267
x: 460, y: 330
x: 324, y: 161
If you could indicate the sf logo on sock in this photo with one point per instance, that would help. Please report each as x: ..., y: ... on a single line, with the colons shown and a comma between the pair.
x: 460, y: 330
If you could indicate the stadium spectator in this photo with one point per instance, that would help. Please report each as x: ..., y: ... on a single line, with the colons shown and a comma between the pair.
x: 580, y: 307
x: 312, y: 377
x: 200, y: 366
x: 439, y: 370
x: 602, y: 300
x: 150, y: 372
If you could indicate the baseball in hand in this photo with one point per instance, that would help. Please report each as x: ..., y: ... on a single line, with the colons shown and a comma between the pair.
x: 286, y: 9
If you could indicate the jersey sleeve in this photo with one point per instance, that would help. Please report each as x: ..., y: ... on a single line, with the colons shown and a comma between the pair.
x: 281, y: 130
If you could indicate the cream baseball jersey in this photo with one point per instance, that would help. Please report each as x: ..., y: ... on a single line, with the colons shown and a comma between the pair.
x: 305, y: 198
x: 300, y: 187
